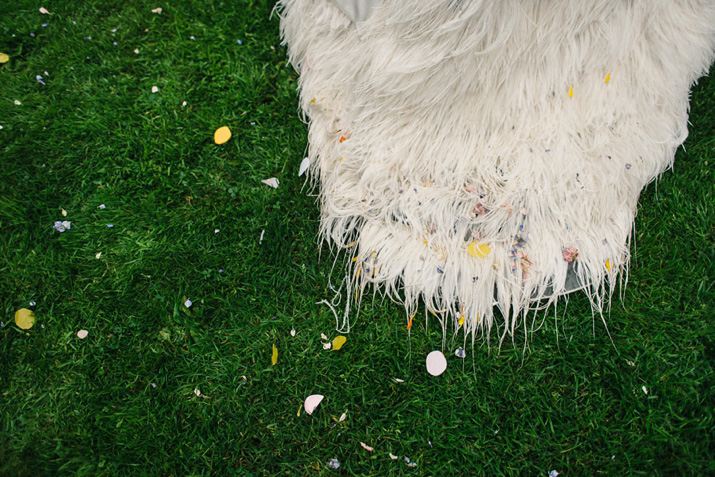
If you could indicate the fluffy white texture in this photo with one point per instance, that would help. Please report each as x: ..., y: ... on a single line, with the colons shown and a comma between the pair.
x: 527, y: 125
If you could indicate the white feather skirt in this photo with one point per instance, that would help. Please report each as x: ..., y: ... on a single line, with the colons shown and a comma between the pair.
x: 484, y: 155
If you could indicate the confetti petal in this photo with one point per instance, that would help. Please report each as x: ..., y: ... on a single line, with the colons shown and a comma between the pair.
x: 154, y: 89
x: 327, y: 345
x: 157, y: 10
x: 82, y: 334
x: 64, y: 212
x: 645, y: 390
x: 398, y: 380
x: 17, y: 103
x: 44, y: 11
x: 136, y: 50
x: 460, y: 353
x: 197, y: 392
x: 273, y: 182
x: 222, y: 135
x: 4, y: 58
x: 24, y: 318
x: 366, y: 447
x: 311, y: 402
x: 333, y: 464
x: 436, y: 363
x: 322, y: 335
x: 274, y: 356
x: 292, y: 332
x: 338, y: 342
x: 553, y: 473
x: 393, y: 456
x: 188, y: 303
x: 97, y: 255
x: 303, y: 166
x: 101, y: 206
x: 479, y: 250
x: 343, y: 416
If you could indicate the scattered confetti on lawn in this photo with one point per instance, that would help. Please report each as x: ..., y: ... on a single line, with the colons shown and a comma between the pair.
x: 157, y: 10
x: 222, y: 135
x: 17, y: 103
x: 4, y: 58
x: 393, y: 456
x: 44, y: 11
x: 154, y: 89
x: 312, y: 402
x: 553, y: 473
x: 62, y: 225
x: 188, y: 303
x: 274, y: 356
x: 82, y: 334
x: 366, y: 447
x: 436, y: 363
x: 644, y: 389
x: 273, y: 182
x: 338, y: 342
x: 24, y: 318
x: 98, y: 255
x: 333, y: 464
x: 101, y: 206
x: 460, y: 353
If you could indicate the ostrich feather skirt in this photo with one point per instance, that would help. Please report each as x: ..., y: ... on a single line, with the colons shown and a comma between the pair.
x: 482, y: 154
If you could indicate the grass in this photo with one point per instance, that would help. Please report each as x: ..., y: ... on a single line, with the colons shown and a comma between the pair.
x: 123, y: 402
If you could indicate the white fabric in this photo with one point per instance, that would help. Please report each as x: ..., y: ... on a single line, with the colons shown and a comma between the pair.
x: 528, y: 126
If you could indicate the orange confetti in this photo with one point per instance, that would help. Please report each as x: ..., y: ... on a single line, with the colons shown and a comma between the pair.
x: 409, y: 323
x: 342, y: 138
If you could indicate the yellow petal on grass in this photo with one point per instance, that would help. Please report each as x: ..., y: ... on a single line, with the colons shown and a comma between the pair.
x: 222, y: 135
x: 338, y: 342
x: 24, y: 318
x: 479, y: 250
x: 4, y: 58
x: 274, y: 356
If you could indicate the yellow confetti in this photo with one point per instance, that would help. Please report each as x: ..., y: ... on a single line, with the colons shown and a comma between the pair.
x: 222, y: 135
x: 461, y: 320
x: 24, y: 318
x: 479, y: 250
x: 338, y: 342
x: 274, y: 357
x: 4, y: 58
x: 608, y: 265
x: 608, y: 78
x: 571, y: 92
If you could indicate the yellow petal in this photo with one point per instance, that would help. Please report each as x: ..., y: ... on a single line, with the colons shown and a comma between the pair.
x: 461, y: 320
x: 608, y: 265
x: 274, y: 357
x: 479, y: 250
x: 222, y: 135
x: 571, y: 92
x: 24, y: 318
x: 338, y: 342
x: 608, y: 78
x: 4, y: 58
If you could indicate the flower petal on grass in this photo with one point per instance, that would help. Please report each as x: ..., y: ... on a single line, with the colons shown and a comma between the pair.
x: 188, y: 303
x: 24, y: 318
x: 338, y: 342
x: 311, y: 402
x: 393, y: 456
x: 154, y: 89
x: 436, y: 363
x: 274, y: 356
x: 82, y: 334
x: 366, y: 447
x: 157, y: 10
x: 222, y: 135
x: 273, y: 182
x: 4, y: 58
x: 333, y: 464
x: 44, y: 11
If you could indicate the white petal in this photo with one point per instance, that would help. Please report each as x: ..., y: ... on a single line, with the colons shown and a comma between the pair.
x: 273, y: 182
x: 154, y: 89
x: 343, y: 416
x: 366, y: 447
x: 292, y: 332
x: 303, y: 166
x: 436, y: 363
x: 82, y: 334
x: 393, y: 456
x: 311, y: 402
x: 97, y: 255
x: 44, y: 11
x: 322, y: 335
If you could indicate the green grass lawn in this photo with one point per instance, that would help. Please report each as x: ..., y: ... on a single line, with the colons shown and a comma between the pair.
x: 187, y: 218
